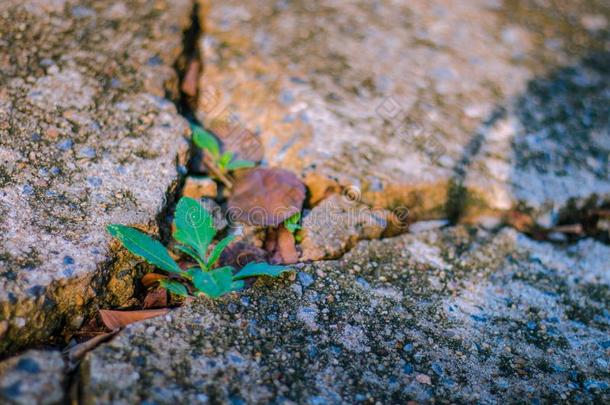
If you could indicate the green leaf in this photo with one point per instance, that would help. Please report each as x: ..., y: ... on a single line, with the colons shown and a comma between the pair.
x: 214, y: 283
x: 206, y: 140
x: 174, y: 287
x: 292, y: 223
x: 188, y: 250
x: 240, y: 164
x: 220, y: 246
x: 225, y: 159
x: 144, y: 246
x: 260, y: 269
x: 194, y: 226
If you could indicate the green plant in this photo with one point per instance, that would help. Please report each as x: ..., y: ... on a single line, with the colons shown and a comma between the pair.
x: 194, y: 231
x: 222, y: 163
x: 292, y: 224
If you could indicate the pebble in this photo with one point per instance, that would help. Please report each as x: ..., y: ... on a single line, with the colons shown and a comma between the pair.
x: 423, y: 379
x: 305, y: 279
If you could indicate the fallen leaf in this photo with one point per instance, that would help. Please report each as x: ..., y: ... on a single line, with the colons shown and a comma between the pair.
x: 114, y: 320
x: 91, y: 328
x: 151, y: 279
x: 266, y: 196
x: 191, y: 77
x: 156, y: 298
x: 271, y: 241
x: 239, y: 254
x: 284, y: 248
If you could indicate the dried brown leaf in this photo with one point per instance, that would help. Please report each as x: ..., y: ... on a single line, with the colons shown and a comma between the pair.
x: 271, y: 240
x: 266, y: 196
x: 114, y: 320
x: 151, y: 279
x: 191, y: 77
x: 239, y: 254
x: 286, y: 251
x: 156, y: 298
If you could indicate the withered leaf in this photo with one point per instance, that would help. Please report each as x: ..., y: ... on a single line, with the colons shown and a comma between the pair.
x: 266, y: 196
x: 239, y: 254
x: 191, y: 76
x: 156, y: 298
x: 117, y: 319
x: 151, y: 279
x: 285, y: 249
x: 271, y: 241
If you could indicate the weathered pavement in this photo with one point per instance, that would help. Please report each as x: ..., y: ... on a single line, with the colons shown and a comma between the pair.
x: 87, y: 138
x: 458, y: 315
x: 471, y: 110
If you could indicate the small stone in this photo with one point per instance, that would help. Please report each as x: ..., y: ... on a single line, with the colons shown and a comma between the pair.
x: 65, y: 144
x: 319, y: 187
x: 199, y: 187
x: 305, y: 279
x: 423, y: 379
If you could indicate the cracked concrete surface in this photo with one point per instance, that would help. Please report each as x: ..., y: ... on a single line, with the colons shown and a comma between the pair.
x: 87, y: 138
x: 474, y: 110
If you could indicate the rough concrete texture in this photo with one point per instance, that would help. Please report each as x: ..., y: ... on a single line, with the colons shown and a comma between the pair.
x: 34, y: 377
x: 336, y: 224
x: 456, y: 315
x: 406, y: 99
x: 86, y: 139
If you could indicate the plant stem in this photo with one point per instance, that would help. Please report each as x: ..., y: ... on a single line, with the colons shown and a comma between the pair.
x: 209, y: 162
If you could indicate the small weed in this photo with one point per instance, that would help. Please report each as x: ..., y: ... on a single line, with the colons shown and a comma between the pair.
x: 194, y: 231
x: 292, y: 224
x: 219, y: 164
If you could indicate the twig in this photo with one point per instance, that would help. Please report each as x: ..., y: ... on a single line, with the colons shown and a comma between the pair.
x: 209, y: 162
x: 571, y: 228
x: 77, y: 352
